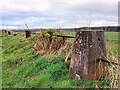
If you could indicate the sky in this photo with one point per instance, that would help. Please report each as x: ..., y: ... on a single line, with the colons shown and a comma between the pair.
x: 14, y: 14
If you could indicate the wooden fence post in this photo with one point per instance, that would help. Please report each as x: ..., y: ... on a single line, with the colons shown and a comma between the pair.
x: 5, y: 31
x: 27, y: 34
x: 88, y: 47
x: 9, y: 32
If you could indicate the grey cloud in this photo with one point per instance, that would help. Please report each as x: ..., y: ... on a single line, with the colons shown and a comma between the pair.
x: 71, y: 16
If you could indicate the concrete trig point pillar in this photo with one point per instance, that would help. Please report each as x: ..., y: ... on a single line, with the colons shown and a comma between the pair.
x: 88, y: 47
x: 27, y: 34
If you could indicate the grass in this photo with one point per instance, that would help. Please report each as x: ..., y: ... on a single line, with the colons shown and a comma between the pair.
x: 23, y: 68
x: 112, y: 41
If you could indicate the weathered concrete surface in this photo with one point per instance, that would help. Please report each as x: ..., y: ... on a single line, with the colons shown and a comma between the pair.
x: 88, y: 46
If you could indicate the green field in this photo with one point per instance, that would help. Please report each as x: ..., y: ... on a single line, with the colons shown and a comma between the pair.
x: 23, y: 68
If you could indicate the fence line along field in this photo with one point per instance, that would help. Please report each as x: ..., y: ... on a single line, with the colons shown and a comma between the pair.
x: 43, y: 59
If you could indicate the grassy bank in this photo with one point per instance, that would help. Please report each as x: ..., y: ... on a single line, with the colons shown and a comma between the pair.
x: 23, y: 68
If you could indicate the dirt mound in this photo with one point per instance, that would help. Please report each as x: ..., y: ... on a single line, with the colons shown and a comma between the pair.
x: 43, y: 45
x: 38, y: 46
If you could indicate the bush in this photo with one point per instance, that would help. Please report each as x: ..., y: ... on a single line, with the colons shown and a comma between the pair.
x: 84, y: 84
x: 40, y: 64
x: 41, y: 81
x: 57, y: 69
x: 59, y: 59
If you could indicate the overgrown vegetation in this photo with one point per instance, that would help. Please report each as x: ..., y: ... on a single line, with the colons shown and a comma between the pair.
x: 23, y: 68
